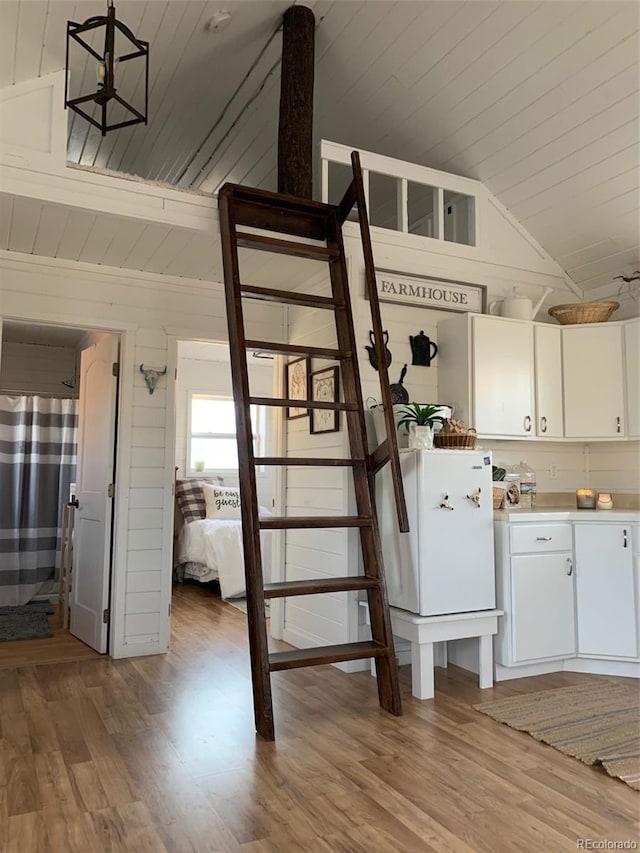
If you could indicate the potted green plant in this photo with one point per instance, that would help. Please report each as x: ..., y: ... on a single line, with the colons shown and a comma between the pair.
x: 418, y: 421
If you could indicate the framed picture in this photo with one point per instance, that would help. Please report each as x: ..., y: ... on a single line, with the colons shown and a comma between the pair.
x: 296, y: 382
x: 325, y: 388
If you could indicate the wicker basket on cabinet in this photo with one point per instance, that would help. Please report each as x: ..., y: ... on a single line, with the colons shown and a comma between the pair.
x: 455, y: 440
x: 583, y: 312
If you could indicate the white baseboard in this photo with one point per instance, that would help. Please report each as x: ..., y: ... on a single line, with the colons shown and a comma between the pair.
x: 593, y: 666
x: 623, y: 668
x: 505, y: 673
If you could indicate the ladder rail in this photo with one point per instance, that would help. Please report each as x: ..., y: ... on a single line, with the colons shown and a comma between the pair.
x: 363, y: 481
x: 355, y: 191
x: 258, y: 642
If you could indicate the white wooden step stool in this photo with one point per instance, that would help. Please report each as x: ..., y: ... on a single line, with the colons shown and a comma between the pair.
x: 423, y: 631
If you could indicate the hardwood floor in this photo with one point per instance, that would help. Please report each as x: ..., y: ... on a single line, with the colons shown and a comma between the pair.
x: 159, y: 754
x: 61, y: 648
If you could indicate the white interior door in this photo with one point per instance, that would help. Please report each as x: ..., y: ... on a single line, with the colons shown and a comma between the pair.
x: 92, y: 534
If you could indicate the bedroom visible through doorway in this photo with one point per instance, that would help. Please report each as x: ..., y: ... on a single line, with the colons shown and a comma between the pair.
x: 207, y: 528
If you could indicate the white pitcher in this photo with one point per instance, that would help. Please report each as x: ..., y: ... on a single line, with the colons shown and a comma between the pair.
x: 519, y: 307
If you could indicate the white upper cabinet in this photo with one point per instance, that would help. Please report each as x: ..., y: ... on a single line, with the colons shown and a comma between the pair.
x: 498, y: 381
x: 519, y: 379
x: 632, y: 359
x: 593, y: 381
x: 502, y: 376
x: 548, y: 379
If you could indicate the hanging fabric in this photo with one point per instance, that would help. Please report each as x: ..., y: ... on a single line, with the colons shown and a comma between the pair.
x: 38, y: 439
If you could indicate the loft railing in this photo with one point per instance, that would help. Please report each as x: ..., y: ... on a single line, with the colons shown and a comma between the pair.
x: 405, y: 197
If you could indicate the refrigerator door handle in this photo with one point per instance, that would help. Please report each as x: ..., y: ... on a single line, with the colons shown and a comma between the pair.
x: 474, y: 497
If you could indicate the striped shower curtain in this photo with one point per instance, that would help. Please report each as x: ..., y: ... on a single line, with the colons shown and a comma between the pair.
x: 38, y: 438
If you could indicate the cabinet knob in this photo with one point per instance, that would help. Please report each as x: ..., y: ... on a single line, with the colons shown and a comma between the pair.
x: 625, y: 541
x: 544, y: 538
x: 618, y: 425
x: 569, y: 566
x: 543, y: 424
x: 527, y: 423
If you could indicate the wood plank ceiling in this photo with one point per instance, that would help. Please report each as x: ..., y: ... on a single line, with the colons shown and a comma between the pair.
x: 538, y: 100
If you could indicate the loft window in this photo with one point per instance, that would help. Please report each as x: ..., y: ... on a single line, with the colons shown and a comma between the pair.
x: 459, y: 218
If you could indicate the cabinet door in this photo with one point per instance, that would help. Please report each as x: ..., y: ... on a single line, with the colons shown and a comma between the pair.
x: 605, y: 590
x: 632, y: 358
x: 548, y: 379
x: 502, y: 376
x: 542, y: 607
x: 593, y: 381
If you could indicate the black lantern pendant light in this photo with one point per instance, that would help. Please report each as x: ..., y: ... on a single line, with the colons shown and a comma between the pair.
x: 106, y: 95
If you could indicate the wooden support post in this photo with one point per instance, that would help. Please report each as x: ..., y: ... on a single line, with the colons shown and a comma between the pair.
x: 295, y: 129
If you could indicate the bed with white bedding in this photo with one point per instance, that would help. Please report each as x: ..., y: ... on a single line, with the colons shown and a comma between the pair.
x: 208, y: 549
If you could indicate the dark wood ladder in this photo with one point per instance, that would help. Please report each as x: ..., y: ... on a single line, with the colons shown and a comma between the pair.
x: 245, y: 207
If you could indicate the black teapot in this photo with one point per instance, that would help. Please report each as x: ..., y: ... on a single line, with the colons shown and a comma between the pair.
x: 373, y: 361
x: 423, y: 349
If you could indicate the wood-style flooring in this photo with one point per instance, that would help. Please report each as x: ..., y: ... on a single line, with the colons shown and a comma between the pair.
x: 159, y: 754
x: 61, y: 648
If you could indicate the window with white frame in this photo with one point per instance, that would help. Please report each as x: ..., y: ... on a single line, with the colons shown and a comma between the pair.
x: 212, y: 433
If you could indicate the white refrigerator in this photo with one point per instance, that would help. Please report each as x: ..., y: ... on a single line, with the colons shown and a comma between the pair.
x: 445, y: 564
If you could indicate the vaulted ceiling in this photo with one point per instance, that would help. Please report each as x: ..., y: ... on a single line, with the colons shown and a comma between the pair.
x: 538, y: 100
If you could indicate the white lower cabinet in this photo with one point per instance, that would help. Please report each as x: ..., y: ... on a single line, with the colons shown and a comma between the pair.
x: 542, y: 601
x: 570, y: 591
x: 534, y: 574
x: 605, y: 591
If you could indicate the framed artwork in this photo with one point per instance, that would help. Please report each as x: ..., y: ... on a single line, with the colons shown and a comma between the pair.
x: 296, y: 383
x: 325, y: 388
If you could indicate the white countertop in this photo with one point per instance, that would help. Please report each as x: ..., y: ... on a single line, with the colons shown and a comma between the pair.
x: 564, y: 513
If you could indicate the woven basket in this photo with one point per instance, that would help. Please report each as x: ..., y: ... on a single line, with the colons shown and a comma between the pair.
x: 455, y: 440
x: 498, y: 496
x: 583, y: 312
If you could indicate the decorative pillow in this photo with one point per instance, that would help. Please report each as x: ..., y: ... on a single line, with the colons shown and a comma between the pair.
x: 221, y: 503
x: 191, y: 500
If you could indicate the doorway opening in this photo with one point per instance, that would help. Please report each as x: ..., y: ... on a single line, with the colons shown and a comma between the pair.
x: 58, y: 415
x: 207, y: 552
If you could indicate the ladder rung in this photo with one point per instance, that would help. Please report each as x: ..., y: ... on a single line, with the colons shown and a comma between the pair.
x: 316, y: 462
x: 295, y: 220
x: 314, y: 587
x: 324, y: 654
x: 303, y: 404
x: 284, y: 247
x: 308, y: 300
x: 297, y: 349
x: 295, y: 522
x: 278, y: 201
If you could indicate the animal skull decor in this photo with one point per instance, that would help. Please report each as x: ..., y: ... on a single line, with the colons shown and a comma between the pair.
x: 151, y: 376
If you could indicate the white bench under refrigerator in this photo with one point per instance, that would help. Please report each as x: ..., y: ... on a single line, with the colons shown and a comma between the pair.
x: 445, y: 564
x: 441, y: 575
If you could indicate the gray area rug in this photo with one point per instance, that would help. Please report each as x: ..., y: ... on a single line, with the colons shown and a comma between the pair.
x: 26, y: 621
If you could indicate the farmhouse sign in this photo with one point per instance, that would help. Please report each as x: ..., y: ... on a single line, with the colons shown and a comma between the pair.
x: 430, y: 292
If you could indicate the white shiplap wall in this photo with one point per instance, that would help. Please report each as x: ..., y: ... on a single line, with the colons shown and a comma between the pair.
x: 149, y: 312
x: 614, y: 467
x: 319, y: 619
